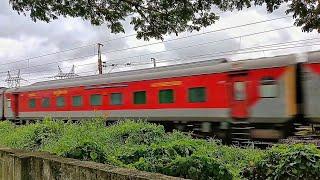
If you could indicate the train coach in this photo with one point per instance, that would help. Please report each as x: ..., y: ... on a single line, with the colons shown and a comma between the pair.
x: 249, y: 99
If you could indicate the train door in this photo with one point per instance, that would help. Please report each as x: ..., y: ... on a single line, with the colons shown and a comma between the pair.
x: 12, y: 105
x: 239, y: 96
x: 16, y: 105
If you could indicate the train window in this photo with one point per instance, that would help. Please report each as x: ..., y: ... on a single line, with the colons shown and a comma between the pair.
x: 32, y: 103
x: 9, y: 103
x: 166, y: 96
x: 45, y: 102
x: 240, y: 91
x: 197, y: 94
x: 268, y: 88
x: 96, y: 100
x: 116, y: 98
x: 60, y: 101
x: 139, y: 97
x: 77, y: 101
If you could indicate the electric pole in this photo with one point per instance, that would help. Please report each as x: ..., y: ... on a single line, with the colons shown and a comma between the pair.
x: 154, y: 62
x: 99, y: 58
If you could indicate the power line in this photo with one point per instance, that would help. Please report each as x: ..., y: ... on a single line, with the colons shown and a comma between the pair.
x: 55, y: 62
x: 134, y: 34
x: 198, y: 34
x: 211, y: 42
x: 246, y: 52
x: 80, y: 47
x: 221, y: 52
x: 280, y: 45
x: 48, y: 54
x: 273, y: 47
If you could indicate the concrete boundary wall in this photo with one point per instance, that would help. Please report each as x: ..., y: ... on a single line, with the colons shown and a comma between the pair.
x: 23, y: 165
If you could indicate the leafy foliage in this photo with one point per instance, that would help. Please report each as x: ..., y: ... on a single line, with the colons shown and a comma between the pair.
x: 153, y: 19
x: 287, y: 162
x: 145, y: 146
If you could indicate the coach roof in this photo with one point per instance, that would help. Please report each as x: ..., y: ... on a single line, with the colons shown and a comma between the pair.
x: 187, y: 69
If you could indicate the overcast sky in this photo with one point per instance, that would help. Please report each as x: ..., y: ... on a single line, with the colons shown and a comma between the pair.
x: 22, y: 39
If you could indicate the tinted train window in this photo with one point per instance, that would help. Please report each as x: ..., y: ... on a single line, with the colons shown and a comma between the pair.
x: 32, y: 103
x: 96, y: 100
x: 166, y: 96
x: 45, y: 102
x: 197, y: 94
x: 239, y: 91
x: 268, y: 88
x: 77, y: 101
x: 60, y: 101
x: 139, y: 97
x: 116, y: 98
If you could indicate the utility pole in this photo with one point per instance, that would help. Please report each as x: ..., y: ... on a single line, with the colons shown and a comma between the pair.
x: 99, y: 58
x: 154, y: 62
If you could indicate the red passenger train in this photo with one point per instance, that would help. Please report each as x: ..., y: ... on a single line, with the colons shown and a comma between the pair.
x: 256, y: 98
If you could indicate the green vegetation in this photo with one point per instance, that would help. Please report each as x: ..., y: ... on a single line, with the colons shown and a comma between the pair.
x: 146, y: 146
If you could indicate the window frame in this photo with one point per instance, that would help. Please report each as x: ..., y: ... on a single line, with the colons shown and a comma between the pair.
x: 43, y: 100
x: 34, y: 104
x: 100, y: 101
x: 81, y: 101
x: 243, y: 91
x: 134, y: 97
x: 205, y: 98
x: 57, y: 101
x: 111, y: 99
x: 268, y: 81
x: 167, y: 102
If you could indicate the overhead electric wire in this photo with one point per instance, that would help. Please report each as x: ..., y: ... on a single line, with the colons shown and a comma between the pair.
x: 55, y: 62
x: 192, y: 35
x: 211, y: 42
x: 253, y: 51
x: 48, y: 54
x: 273, y: 45
x: 198, y: 34
x: 221, y: 54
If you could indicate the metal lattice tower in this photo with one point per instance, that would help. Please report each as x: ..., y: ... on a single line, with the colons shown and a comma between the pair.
x: 13, y: 81
x: 62, y: 75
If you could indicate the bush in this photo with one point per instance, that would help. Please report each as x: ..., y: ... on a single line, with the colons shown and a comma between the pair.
x: 147, y: 147
x: 287, y: 162
x: 88, y: 151
x: 198, y: 167
x: 176, y: 155
x: 31, y: 137
x: 237, y: 159
x: 5, y: 128
x: 135, y: 132
x: 76, y: 138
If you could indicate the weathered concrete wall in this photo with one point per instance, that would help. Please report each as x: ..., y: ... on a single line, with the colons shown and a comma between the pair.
x: 22, y: 165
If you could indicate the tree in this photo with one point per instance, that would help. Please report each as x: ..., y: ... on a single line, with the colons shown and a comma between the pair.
x: 155, y: 18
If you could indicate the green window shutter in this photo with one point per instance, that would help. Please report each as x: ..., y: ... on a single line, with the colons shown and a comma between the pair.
x: 32, y: 103
x: 166, y: 96
x: 197, y: 94
x: 96, y: 100
x: 116, y: 98
x: 139, y: 97
x: 60, y: 101
x: 45, y: 102
x: 77, y: 101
